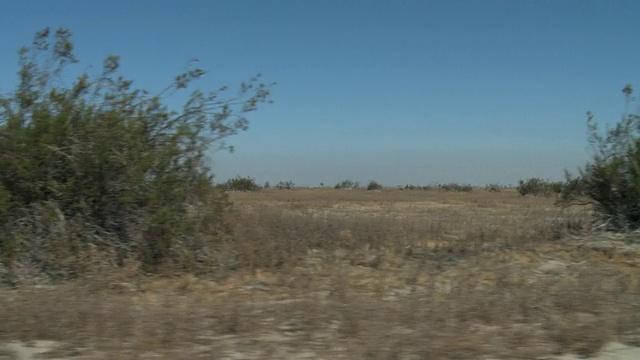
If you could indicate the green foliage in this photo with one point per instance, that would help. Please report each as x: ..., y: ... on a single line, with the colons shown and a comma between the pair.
x: 611, y: 180
x: 533, y: 186
x: 347, y: 184
x: 574, y: 189
x: 242, y: 184
x: 288, y: 185
x: 455, y: 187
x: 493, y: 187
x: 417, y: 187
x: 444, y: 187
x: 374, y: 185
x: 540, y: 187
x: 99, y: 163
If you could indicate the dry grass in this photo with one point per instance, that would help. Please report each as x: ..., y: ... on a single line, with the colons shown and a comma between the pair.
x: 359, y: 274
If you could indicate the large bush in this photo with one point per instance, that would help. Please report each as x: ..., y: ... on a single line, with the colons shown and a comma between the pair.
x: 611, y: 180
x: 103, y: 166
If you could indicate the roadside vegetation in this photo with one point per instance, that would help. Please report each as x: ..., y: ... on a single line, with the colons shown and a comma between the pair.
x: 99, y: 167
x: 115, y: 239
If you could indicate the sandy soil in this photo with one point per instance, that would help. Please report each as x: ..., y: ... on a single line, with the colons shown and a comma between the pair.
x: 42, y: 349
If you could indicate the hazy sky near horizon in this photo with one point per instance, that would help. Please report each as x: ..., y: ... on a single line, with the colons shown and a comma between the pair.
x: 411, y: 91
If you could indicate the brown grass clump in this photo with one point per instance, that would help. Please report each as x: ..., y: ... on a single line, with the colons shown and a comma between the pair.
x: 325, y: 274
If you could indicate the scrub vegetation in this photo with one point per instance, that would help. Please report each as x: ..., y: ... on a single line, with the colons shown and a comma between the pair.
x: 98, y: 166
x: 115, y: 242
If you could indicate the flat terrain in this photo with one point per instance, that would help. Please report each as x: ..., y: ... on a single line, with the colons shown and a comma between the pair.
x: 356, y: 274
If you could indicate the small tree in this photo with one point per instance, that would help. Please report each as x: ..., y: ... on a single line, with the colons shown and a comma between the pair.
x: 240, y: 183
x: 611, y: 180
x: 101, y: 162
x: 374, y: 185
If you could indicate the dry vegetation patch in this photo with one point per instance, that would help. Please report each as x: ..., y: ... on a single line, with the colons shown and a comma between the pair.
x: 359, y: 274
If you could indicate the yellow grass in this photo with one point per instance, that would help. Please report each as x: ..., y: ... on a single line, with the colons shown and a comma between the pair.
x: 324, y: 274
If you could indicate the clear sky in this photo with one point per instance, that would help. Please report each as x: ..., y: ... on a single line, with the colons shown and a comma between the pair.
x: 396, y: 91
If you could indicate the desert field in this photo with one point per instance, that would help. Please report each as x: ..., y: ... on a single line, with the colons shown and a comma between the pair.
x: 356, y: 274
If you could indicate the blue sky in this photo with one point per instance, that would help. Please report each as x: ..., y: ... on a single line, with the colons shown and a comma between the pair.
x: 394, y: 91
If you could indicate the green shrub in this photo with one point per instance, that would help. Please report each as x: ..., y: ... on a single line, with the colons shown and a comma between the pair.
x: 540, y: 187
x: 455, y: 187
x: 373, y: 185
x: 533, y: 186
x: 418, y: 187
x: 493, y: 187
x: 240, y: 183
x: 611, y: 180
x: 347, y: 184
x: 101, y: 164
x: 285, y: 185
x: 574, y: 188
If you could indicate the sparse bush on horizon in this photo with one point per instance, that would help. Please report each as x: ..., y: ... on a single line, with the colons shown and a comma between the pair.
x: 417, y: 187
x: 455, y: 187
x: 540, y: 187
x: 347, y: 184
x: 285, y: 185
x: 494, y: 187
x: 240, y: 183
x: 374, y: 185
